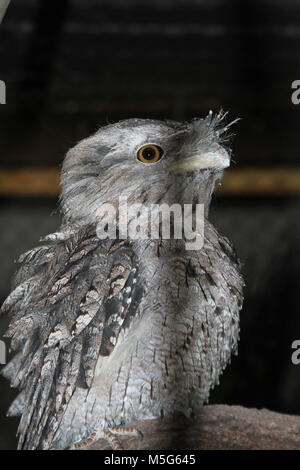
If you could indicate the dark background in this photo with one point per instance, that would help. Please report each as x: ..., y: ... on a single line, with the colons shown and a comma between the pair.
x: 71, y: 66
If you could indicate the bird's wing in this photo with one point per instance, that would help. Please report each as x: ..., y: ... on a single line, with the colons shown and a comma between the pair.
x: 72, y: 297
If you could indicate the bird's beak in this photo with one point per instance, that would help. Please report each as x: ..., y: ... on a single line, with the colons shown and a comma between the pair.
x: 214, y: 158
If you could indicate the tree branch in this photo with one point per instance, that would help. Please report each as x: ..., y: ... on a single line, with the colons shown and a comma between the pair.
x: 220, y: 427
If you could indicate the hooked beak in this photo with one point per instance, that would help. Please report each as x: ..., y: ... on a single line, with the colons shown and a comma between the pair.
x: 214, y: 158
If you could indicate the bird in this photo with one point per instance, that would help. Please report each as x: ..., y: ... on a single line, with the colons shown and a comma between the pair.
x: 107, y: 332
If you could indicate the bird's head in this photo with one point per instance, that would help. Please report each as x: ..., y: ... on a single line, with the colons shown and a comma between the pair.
x: 146, y: 161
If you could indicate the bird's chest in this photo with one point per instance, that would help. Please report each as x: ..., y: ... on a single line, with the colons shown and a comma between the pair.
x: 166, y: 359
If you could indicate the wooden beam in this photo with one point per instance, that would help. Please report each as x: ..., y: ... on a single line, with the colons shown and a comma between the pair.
x: 44, y: 182
x: 276, y: 181
x: 29, y: 182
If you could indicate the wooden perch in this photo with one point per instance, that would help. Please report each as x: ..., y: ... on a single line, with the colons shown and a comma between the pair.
x: 216, y: 427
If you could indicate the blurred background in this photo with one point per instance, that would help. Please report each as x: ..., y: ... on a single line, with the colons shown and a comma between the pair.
x: 71, y: 66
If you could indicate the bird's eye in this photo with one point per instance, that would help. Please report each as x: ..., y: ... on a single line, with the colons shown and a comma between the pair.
x: 150, y: 153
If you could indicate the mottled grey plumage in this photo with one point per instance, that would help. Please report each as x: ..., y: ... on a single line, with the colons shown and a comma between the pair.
x: 112, y: 331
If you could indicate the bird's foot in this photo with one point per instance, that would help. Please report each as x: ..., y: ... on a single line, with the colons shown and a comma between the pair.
x: 85, y: 442
x: 111, y: 435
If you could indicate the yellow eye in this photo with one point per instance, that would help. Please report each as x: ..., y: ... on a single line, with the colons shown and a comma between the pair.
x: 150, y: 153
